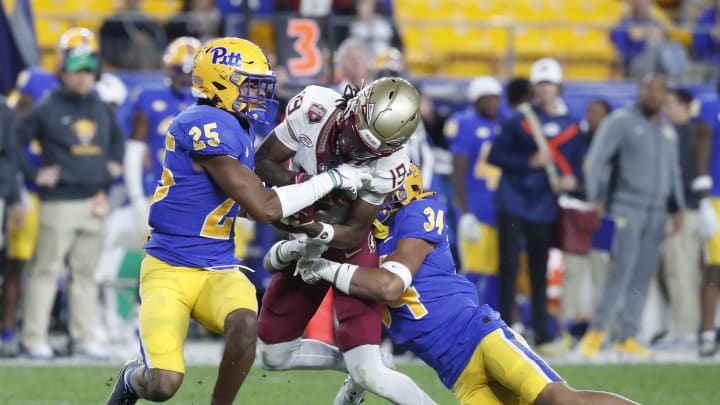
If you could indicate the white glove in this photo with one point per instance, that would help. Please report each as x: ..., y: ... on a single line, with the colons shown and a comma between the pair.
x: 469, y: 227
x: 708, y: 225
x: 350, y: 178
x: 280, y: 255
x: 314, y: 269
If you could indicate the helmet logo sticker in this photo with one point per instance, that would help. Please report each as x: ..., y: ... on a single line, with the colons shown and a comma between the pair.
x: 220, y: 56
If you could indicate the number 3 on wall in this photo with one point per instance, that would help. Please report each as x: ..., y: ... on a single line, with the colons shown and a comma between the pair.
x: 306, y: 33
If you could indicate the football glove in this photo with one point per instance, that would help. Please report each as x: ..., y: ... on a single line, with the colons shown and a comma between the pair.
x: 350, y: 178
x: 708, y: 225
x: 469, y: 227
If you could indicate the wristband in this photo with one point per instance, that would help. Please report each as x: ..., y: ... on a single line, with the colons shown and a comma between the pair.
x: 343, y: 276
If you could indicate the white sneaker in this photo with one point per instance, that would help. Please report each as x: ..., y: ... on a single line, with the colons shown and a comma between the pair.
x: 40, y: 351
x: 91, y: 351
x: 350, y: 393
x: 708, y: 343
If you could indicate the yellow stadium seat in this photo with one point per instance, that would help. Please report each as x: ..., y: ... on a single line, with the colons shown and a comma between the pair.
x: 165, y: 8
x: 533, y: 42
x: 482, y: 9
x: 48, y: 32
x: 535, y: 10
x: 469, y: 68
x: 576, y: 70
x: 48, y: 60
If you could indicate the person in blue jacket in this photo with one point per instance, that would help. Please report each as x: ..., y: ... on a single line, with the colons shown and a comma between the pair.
x: 525, y: 203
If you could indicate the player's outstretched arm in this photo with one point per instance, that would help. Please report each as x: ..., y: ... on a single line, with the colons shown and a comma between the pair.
x: 386, y: 283
x: 268, y: 205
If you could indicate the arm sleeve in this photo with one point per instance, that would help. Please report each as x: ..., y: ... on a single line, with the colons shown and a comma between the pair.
x: 604, y: 146
x: 504, y: 154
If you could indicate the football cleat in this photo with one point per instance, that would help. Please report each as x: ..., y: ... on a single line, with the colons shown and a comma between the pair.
x: 350, y: 393
x: 121, y: 394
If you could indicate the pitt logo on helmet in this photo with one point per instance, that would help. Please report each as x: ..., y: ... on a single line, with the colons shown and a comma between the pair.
x: 220, y: 56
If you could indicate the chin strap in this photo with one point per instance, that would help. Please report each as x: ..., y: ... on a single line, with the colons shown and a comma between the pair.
x: 380, y: 230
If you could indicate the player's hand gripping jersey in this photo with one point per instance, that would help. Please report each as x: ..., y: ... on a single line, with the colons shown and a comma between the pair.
x: 191, y: 217
x: 423, y: 318
x: 307, y: 129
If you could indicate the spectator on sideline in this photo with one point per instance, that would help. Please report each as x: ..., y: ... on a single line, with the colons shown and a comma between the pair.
x: 681, y: 253
x: 470, y: 133
x: 637, y: 147
x: 82, y: 151
x: 131, y: 40
x: 526, y: 202
x: 641, y: 40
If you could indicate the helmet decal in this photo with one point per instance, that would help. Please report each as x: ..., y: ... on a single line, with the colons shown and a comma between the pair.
x: 221, y: 56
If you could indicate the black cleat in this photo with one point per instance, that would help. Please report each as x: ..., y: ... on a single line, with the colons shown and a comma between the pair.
x: 121, y: 394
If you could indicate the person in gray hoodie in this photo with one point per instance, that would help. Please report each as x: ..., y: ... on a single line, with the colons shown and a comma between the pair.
x: 633, y: 174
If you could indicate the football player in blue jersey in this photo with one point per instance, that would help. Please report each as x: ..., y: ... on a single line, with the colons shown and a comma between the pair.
x: 470, y: 133
x: 155, y: 108
x: 190, y: 269
x: 437, y: 314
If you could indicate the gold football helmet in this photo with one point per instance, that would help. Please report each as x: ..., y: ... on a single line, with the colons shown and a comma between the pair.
x: 76, y: 41
x: 178, y: 60
x: 235, y: 75
x: 380, y: 119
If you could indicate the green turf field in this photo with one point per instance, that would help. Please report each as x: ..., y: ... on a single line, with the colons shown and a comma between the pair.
x: 648, y: 384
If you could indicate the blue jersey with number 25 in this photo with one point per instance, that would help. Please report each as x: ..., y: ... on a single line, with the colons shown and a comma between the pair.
x: 191, y: 217
x: 439, y: 317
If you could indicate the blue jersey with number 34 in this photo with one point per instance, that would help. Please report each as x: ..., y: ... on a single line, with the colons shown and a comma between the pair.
x: 439, y: 317
x: 191, y: 217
